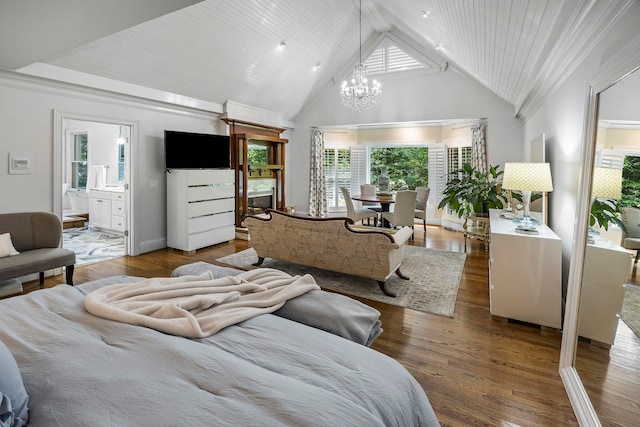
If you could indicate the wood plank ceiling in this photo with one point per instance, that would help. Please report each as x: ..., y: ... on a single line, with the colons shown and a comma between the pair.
x: 219, y: 50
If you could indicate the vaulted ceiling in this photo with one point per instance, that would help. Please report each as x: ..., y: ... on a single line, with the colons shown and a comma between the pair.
x: 218, y: 50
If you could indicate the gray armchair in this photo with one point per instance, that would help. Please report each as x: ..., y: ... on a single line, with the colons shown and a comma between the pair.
x: 631, y: 237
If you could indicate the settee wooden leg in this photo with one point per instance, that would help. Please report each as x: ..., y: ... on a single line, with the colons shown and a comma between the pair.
x: 260, y: 261
x: 41, y: 278
x: 384, y: 289
x: 401, y: 274
x: 69, y: 274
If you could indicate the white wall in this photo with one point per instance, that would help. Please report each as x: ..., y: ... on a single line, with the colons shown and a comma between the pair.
x: 406, y: 97
x: 561, y: 119
x: 26, y: 119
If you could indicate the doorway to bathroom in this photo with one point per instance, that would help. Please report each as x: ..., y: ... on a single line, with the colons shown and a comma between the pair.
x: 94, y: 177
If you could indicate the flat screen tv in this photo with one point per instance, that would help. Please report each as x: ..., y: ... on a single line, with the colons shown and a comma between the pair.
x: 188, y: 150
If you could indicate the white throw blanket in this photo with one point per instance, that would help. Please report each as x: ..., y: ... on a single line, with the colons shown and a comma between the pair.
x: 197, y: 306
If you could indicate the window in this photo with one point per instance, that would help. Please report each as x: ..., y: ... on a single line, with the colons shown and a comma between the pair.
x: 388, y: 58
x: 349, y: 167
x: 630, y: 180
x: 79, y: 161
x: 408, y: 167
x: 457, y: 156
x: 120, y: 162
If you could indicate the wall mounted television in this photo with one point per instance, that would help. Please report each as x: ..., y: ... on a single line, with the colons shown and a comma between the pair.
x: 189, y: 150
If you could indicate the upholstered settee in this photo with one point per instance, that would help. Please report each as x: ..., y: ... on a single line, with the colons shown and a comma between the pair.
x: 330, y: 244
x: 35, y: 236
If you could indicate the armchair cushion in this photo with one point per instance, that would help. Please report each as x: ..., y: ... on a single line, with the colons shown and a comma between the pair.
x: 6, y: 246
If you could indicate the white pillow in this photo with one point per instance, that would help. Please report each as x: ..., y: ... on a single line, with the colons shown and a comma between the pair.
x: 6, y: 247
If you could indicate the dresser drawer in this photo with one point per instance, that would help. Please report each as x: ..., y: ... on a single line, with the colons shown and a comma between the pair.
x: 210, y: 192
x: 209, y: 207
x: 117, y: 207
x: 209, y: 222
x: 117, y: 223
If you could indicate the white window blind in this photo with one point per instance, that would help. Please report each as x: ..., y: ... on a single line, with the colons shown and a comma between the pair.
x: 388, y: 58
x: 358, y: 168
x: 613, y: 159
x: 437, y: 178
x: 337, y: 164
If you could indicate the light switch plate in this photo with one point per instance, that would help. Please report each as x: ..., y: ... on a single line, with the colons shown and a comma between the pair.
x: 20, y: 164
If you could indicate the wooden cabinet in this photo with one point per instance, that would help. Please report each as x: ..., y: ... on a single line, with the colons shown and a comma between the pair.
x: 606, y: 268
x: 200, y: 208
x: 107, y: 210
x: 525, y: 273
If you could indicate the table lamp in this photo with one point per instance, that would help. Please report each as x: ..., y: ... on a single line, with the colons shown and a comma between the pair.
x: 527, y: 177
x: 607, y: 184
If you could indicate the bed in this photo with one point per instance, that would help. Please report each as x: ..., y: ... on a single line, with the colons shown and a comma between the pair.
x: 291, y: 367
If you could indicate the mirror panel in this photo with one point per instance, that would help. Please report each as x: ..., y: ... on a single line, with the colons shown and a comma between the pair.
x: 595, y: 376
x: 607, y: 350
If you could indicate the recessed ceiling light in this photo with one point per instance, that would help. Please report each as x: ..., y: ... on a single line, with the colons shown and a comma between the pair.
x: 426, y: 14
x: 283, y: 44
x: 439, y: 46
x: 315, y: 67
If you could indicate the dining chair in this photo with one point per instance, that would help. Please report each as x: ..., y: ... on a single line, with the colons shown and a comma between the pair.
x: 421, y: 205
x: 353, y: 213
x: 631, y: 237
x: 369, y: 190
x: 403, y: 209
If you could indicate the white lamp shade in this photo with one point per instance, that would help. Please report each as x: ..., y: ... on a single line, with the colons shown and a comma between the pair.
x: 607, y: 183
x: 527, y: 177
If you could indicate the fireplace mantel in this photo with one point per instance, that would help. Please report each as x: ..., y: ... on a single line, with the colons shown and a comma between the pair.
x: 242, y: 135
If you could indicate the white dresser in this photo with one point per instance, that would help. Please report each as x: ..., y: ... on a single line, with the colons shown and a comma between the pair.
x: 106, y: 209
x: 525, y: 273
x: 606, y: 268
x: 200, y: 208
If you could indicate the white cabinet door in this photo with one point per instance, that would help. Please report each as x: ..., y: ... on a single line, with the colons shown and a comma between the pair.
x: 100, y: 212
x: 525, y: 274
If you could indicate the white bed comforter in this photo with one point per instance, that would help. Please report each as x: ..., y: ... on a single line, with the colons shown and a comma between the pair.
x: 197, y: 306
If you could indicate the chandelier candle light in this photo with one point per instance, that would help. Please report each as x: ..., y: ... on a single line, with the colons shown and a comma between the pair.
x: 359, y: 95
x: 527, y: 177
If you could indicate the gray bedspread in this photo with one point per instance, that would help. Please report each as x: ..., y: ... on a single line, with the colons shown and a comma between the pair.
x: 83, y: 370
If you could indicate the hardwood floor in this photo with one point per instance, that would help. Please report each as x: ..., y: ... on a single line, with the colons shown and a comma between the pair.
x: 474, y: 369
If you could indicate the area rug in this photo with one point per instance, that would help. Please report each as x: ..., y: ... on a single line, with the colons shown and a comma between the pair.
x: 630, y: 313
x: 93, y: 245
x: 433, y: 286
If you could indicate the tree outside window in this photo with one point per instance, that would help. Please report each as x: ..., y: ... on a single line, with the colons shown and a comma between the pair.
x: 407, y: 166
x: 630, y: 182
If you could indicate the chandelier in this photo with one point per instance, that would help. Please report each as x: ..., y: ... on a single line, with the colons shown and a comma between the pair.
x: 359, y: 95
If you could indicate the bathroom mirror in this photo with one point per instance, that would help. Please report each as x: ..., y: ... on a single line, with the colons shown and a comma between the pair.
x: 587, y: 370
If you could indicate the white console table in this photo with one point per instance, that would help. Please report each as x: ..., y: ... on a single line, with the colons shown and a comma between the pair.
x: 525, y: 273
x: 606, y: 268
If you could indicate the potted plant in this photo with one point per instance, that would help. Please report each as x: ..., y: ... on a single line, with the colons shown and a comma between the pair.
x: 603, y: 212
x: 471, y: 192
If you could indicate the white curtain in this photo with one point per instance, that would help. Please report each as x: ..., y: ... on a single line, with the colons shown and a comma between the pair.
x: 478, y: 148
x: 317, y: 192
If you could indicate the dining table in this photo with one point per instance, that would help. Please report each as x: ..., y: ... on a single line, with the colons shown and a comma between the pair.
x: 385, y: 201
